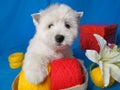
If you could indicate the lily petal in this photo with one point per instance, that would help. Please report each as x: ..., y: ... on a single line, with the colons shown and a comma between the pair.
x: 106, y: 75
x: 92, y: 55
x: 113, y: 57
x: 101, y: 67
x: 115, y: 72
x: 105, y: 53
x: 101, y: 41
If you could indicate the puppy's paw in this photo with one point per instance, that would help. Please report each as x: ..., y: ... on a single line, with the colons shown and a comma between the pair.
x: 36, y: 76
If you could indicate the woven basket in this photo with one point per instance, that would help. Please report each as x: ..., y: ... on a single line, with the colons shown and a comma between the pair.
x: 77, y: 87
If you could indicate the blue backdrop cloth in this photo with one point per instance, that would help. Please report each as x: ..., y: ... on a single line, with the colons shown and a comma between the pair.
x: 16, y: 29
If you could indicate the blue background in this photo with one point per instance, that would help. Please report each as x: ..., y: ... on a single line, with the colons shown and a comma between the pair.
x: 16, y: 29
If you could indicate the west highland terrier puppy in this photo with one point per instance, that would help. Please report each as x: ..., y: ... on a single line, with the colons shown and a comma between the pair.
x: 56, y: 29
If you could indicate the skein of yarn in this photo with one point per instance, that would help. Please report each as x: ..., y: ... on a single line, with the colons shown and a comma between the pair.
x: 23, y: 84
x: 65, y: 73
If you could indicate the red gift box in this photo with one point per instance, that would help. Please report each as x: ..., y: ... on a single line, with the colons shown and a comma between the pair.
x: 88, y: 41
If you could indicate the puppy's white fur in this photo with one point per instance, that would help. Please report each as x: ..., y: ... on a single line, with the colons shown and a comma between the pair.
x: 43, y: 47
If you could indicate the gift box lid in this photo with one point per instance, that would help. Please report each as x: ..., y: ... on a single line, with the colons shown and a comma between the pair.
x: 102, y: 30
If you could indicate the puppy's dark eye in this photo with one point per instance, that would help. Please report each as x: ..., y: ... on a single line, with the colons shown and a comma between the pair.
x: 50, y: 25
x: 67, y: 25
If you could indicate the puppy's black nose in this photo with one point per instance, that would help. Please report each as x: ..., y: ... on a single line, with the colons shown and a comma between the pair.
x: 59, y: 38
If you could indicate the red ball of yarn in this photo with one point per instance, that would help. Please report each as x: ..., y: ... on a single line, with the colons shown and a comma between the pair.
x: 65, y: 73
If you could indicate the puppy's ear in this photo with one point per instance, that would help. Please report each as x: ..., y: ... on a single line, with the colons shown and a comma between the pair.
x: 36, y: 18
x: 80, y: 14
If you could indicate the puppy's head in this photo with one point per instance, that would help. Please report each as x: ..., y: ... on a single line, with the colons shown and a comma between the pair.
x: 57, y: 26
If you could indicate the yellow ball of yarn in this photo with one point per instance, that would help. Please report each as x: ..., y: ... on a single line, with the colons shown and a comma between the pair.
x: 97, y: 79
x: 23, y: 84
x: 15, y: 65
x: 16, y: 60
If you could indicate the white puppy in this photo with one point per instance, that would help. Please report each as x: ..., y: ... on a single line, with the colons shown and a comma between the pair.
x: 56, y: 29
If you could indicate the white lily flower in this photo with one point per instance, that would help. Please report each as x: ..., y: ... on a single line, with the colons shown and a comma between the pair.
x: 106, y: 60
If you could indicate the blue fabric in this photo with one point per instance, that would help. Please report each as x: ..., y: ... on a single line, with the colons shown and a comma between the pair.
x: 16, y: 29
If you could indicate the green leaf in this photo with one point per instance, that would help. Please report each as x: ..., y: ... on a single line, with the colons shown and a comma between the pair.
x: 118, y: 64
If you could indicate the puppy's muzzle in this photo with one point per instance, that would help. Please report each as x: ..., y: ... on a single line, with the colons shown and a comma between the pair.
x: 59, y: 38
